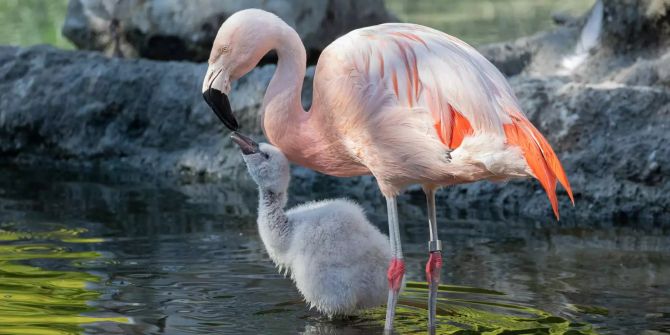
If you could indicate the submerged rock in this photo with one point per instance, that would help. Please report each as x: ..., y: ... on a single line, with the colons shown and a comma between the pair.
x: 82, y: 109
x: 185, y: 30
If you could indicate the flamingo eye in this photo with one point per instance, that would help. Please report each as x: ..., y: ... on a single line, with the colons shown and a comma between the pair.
x: 219, y: 51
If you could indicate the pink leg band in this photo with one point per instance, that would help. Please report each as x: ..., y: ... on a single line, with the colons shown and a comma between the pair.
x: 433, y: 266
x: 395, y: 272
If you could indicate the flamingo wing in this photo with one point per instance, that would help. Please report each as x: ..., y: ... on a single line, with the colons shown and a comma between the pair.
x: 464, y: 93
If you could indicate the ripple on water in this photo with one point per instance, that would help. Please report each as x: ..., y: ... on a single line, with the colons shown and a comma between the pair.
x: 460, y: 310
x: 180, y: 267
x: 218, y: 284
x: 36, y: 300
x: 198, y: 284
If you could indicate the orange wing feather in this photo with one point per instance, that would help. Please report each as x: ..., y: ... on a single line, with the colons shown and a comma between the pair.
x: 540, y: 158
x: 460, y: 128
x: 453, y: 129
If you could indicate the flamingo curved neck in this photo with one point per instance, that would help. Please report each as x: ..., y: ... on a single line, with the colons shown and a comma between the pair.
x: 282, y: 108
x: 300, y: 135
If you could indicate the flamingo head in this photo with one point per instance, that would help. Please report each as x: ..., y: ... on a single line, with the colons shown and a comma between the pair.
x: 267, y: 165
x: 241, y: 42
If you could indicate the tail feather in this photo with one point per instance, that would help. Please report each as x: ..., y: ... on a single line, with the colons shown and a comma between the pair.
x: 540, y: 157
x: 553, y: 162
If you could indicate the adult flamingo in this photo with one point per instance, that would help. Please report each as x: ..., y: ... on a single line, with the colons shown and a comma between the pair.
x: 405, y: 103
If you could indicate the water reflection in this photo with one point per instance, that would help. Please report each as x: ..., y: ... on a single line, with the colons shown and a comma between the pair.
x: 469, y: 310
x: 194, y: 265
x: 43, y: 300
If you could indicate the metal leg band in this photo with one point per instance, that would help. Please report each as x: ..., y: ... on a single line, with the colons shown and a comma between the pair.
x: 435, y: 245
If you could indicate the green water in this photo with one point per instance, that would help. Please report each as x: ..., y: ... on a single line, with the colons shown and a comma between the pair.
x: 99, y: 253
x: 35, y: 300
x: 28, y: 22
x: 41, y: 300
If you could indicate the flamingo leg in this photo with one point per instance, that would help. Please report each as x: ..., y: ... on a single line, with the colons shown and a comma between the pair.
x: 396, y: 269
x: 434, y: 261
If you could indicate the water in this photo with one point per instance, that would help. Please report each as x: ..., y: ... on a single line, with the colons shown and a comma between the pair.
x: 102, y: 253
x: 28, y: 22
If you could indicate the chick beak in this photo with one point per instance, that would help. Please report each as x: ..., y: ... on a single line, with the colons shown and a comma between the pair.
x: 246, y: 144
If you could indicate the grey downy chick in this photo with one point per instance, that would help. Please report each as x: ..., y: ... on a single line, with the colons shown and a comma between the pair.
x: 335, y: 256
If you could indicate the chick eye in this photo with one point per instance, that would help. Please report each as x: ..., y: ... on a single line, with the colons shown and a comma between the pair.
x: 266, y: 156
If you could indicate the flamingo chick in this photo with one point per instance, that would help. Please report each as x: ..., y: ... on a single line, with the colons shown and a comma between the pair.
x: 335, y: 256
x: 403, y: 102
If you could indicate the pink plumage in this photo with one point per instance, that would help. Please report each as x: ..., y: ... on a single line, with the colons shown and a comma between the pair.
x: 406, y: 68
x: 403, y: 102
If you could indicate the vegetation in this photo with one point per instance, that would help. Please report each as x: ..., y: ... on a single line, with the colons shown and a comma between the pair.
x: 28, y: 22
x: 486, y: 21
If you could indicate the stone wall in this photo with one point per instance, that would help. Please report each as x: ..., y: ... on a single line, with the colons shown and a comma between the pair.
x: 185, y: 30
x: 608, y: 120
x: 81, y: 108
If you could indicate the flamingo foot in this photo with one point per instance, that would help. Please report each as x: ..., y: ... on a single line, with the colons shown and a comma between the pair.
x: 395, y: 274
x: 433, y: 268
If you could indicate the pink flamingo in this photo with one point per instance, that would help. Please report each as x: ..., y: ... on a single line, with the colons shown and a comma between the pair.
x: 403, y: 102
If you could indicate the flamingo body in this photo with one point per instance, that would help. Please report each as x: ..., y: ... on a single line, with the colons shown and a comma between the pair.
x: 412, y: 105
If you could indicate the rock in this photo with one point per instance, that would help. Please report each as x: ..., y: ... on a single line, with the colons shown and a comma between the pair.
x: 82, y: 106
x: 631, y: 45
x: 185, y: 30
x: 83, y: 109
x: 645, y: 72
x: 612, y: 140
x: 564, y: 18
x: 540, y: 54
x: 636, y: 25
x: 510, y: 59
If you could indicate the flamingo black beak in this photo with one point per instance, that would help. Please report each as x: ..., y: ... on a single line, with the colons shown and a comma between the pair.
x: 219, y: 103
x: 246, y: 144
